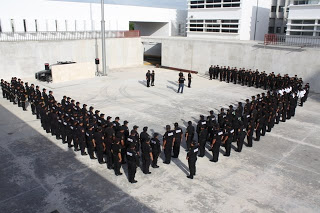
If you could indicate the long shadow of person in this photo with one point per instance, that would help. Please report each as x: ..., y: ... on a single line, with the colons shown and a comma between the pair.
x: 125, y: 170
x: 174, y: 83
x: 170, y: 87
x: 144, y: 82
x: 181, y: 165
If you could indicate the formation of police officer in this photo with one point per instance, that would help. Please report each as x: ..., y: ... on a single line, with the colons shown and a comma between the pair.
x: 113, y: 143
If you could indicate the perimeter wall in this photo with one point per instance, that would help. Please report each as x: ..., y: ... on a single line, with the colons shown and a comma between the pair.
x: 25, y: 58
x: 198, y: 55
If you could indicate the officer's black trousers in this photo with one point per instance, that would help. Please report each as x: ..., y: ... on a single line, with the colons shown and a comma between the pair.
x: 109, y: 158
x: 146, y: 161
x: 202, y: 147
x: 215, y: 152
x: 100, y: 155
x: 132, y: 169
x: 240, y: 144
x: 258, y: 133
x: 192, y: 166
x: 167, y: 153
x: 176, y: 149
x: 249, y: 139
x: 155, y: 159
x: 90, y: 149
x: 228, y: 147
x: 117, y: 164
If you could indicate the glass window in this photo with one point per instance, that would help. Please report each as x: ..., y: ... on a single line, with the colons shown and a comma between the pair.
x: 273, y: 9
x: 296, y: 21
x: 271, y: 30
x: 280, y: 9
x: 307, y: 33
x: 295, y: 33
x: 278, y: 30
x: 213, y: 30
x: 309, y: 21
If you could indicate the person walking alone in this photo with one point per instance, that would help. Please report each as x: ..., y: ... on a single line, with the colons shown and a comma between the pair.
x: 181, y: 83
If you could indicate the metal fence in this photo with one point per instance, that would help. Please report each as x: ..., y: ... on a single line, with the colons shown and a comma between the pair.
x: 298, y: 41
x: 66, y: 35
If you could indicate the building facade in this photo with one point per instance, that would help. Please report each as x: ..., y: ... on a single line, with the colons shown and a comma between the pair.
x: 45, y: 15
x: 228, y: 19
x: 278, y: 16
x: 304, y: 18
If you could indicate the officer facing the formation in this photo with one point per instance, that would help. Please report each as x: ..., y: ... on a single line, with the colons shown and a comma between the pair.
x: 181, y: 83
x: 133, y: 162
x: 152, y: 78
x: 189, y: 79
x: 192, y: 159
x: 148, y: 78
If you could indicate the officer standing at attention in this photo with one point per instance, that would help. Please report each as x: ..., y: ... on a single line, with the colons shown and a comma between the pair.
x: 98, y: 141
x: 181, y: 83
x: 146, y: 157
x: 177, y: 142
x: 156, y: 150
x: 192, y: 159
x: 168, y: 140
x: 189, y: 79
x: 202, y: 140
x: 133, y: 162
x: 152, y: 78
x: 215, y: 145
x: 148, y: 78
x: 189, y: 134
x: 116, y: 151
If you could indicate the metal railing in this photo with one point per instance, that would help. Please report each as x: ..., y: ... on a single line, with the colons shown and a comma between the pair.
x: 64, y: 35
x: 287, y: 40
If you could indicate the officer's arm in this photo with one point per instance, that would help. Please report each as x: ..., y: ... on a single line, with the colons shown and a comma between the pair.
x: 164, y: 144
x: 151, y: 156
x: 174, y: 140
x: 225, y: 139
x: 119, y: 155
x: 213, y: 142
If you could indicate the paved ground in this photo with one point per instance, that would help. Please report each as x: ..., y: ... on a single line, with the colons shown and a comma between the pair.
x: 281, y: 173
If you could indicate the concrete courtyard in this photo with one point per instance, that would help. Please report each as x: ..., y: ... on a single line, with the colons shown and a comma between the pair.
x: 280, y: 173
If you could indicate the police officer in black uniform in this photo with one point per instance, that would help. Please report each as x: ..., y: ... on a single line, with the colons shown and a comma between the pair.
x: 146, y: 156
x: 177, y: 142
x: 189, y: 134
x: 192, y: 159
x: 133, y: 162
x: 156, y: 150
x: 168, y: 141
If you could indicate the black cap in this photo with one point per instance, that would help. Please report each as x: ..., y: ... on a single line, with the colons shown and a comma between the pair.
x: 145, y: 128
x: 77, y: 102
x: 109, y: 117
x: 84, y: 105
x: 211, y: 111
x: 102, y: 115
x: 201, y: 116
x: 168, y: 127
x: 125, y: 122
x: 189, y: 122
x: 91, y: 107
x: 135, y: 127
x: 117, y: 118
x: 97, y: 111
x: 155, y: 134
x: 176, y: 124
x: 68, y: 98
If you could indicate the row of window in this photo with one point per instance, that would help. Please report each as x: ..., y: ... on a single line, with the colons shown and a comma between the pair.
x: 214, y: 26
x: 304, y: 27
x: 302, y: 2
x: 214, y: 4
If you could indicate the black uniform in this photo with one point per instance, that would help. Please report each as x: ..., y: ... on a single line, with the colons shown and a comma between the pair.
x: 168, y: 138
x: 156, y: 151
x: 133, y: 163
x: 216, y: 146
x: 202, y: 141
x: 192, y: 159
x: 177, y: 142
x: 99, y: 138
x: 116, y: 150
x: 146, y: 158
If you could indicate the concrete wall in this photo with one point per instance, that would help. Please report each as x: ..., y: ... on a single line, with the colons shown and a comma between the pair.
x: 70, y: 72
x: 25, y: 58
x: 153, y: 28
x: 198, y: 55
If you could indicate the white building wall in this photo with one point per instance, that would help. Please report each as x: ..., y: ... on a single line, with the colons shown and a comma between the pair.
x: 117, y: 17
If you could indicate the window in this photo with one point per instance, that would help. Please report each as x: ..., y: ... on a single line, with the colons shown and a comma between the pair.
x: 303, y: 21
x: 213, y: 30
x: 280, y: 9
x: 307, y: 33
x: 229, y: 31
x: 24, y: 25
x: 309, y: 21
x: 285, y: 30
x: 278, y: 30
x: 300, y: 2
x: 229, y: 21
x: 271, y: 30
x: 273, y: 9
x: 229, y: 26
